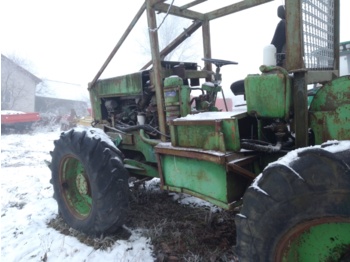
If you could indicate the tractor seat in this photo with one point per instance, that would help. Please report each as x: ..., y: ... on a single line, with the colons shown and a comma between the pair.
x: 237, y: 88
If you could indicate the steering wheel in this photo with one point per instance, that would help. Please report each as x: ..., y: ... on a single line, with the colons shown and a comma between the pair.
x: 219, y: 62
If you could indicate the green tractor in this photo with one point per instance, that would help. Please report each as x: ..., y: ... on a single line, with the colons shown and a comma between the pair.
x: 284, y: 159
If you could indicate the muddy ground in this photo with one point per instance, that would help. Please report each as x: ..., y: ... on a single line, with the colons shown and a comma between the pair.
x: 178, y: 232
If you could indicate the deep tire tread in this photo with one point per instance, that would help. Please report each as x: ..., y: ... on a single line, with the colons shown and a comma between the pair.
x: 109, y: 191
x: 316, y: 178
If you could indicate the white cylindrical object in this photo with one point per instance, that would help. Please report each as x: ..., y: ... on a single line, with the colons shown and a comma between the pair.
x: 141, y: 119
x: 269, y: 57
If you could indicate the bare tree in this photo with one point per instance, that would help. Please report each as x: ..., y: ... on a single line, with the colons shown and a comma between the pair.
x: 11, y: 92
x: 14, y: 90
x: 171, y: 27
x: 22, y: 62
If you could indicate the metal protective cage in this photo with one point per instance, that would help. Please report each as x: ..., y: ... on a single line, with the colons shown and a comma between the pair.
x: 318, y: 34
x: 312, y: 34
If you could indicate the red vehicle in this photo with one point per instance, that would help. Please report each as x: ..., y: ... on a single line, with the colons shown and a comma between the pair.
x: 17, y: 120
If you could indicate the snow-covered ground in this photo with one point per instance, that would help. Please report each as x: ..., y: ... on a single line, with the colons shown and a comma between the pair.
x: 27, y: 206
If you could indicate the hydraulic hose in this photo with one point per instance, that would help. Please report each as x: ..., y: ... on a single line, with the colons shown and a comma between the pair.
x: 261, y: 146
x: 152, y: 142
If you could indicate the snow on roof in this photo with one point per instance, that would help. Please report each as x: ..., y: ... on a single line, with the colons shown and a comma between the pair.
x: 62, y: 90
x: 11, y: 112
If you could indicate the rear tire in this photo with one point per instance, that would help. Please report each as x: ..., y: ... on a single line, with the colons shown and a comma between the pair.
x: 288, y: 200
x: 90, y: 182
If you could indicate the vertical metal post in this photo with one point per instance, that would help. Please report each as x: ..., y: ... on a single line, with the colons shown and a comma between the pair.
x: 206, y: 44
x: 300, y: 109
x: 336, y: 35
x: 157, y: 69
x: 294, y: 36
x: 294, y: 62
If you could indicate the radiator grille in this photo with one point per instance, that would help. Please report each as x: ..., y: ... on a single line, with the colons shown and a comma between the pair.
x: 318, y: 34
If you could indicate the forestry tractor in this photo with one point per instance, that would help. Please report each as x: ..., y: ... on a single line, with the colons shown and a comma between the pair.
x: 283, y: 160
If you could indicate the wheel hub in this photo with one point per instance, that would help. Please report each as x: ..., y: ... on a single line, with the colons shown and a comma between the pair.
x: 325, y: 239
x: 75, y: 187
x: 81, y: 184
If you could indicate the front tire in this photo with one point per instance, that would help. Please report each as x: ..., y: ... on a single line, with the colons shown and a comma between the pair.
x: 298, y: 211
x: 90, y: 182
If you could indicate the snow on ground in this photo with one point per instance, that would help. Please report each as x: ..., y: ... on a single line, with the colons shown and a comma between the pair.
x: 27, y: 205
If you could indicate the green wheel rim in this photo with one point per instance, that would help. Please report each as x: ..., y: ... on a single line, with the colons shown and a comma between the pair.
x: 75, y: 187
x: 325, y: 240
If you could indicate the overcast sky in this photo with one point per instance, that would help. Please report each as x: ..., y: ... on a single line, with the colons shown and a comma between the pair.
x: 69, y: 40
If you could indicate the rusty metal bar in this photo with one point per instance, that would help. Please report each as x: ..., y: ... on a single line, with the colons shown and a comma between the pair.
x: 223, y: 96
x: 215, y: 157
x: 206, y: 46
x: 241, y: 171
x: 240, y: 160
x: 300, y: 109
x: 157, y: 69
x: 160, y: 171
x: 177, y: 41
x: 294, y: 41
x: 154, y: 2
x: 234, y: 8
x: 118, y: 45
x: 192, y: 4
x: 336, y: 34
x: 236, y: 165
x: 175, y: 10
x: 320, y: 76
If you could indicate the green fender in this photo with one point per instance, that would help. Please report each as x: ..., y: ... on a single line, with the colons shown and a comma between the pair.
x: 329, y: 113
